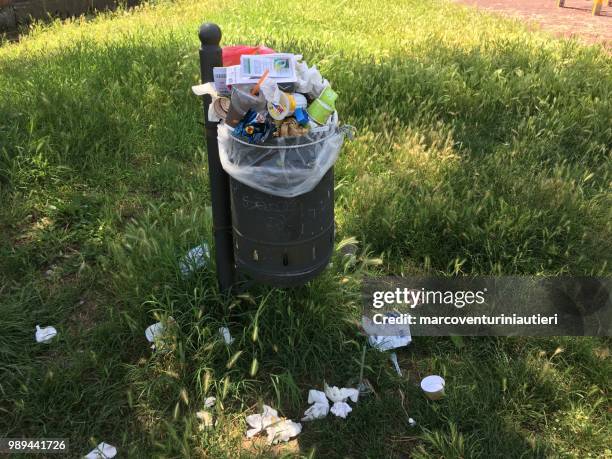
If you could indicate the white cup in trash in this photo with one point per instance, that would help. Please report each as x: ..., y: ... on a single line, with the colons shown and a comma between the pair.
x: 433, y: 386
x: 241, y: 102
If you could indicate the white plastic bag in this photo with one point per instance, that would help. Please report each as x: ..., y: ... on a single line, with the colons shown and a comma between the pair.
x: 281, y: 166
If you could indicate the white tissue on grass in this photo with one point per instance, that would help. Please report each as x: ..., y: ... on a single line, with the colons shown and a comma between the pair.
x: 195, y: 259
x: 340, y: 395
x: 102, y: 451
x: 225, y: 333
x: 210, y: 402
x: 319, y: 408
x: 154, y: 332
x: 259, y: 422
x: 45, y: 334
x: 283, y: 431
x: 277, y: 429
x: 412, y: 422
x: 341, y: 409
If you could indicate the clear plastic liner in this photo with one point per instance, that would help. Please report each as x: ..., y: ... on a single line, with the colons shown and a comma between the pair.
x: 281, y: 166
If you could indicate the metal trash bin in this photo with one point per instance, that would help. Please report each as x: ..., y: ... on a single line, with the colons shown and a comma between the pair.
x: 283, y: 241
x: 282, y: 235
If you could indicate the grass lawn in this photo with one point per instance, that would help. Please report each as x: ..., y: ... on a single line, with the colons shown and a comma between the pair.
x: 482, y: 148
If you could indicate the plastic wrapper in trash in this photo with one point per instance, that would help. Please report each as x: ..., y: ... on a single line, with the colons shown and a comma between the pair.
x: 281, y: 166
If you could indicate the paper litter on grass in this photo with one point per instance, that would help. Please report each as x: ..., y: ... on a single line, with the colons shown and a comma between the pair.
x: 277, y: 429
x: 102, y: 451
x: 336, y: 394
x: 195, y: 259
x: 225, y: 333
x: 210, y: 402
x: 45, y: 334
x: 319, y: 405
x: 154, y: 332
x: 339, y: 396
x: 341, y: 409
x: 386, y: 343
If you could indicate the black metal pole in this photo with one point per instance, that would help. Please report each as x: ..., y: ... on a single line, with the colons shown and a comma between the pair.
x: 210, y: 56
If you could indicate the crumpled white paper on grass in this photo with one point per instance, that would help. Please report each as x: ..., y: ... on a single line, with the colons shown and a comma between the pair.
x: 102, y: 451
x: 277, y: 429
x: 339, y: 396
x: 154, y: 333
x: 225, y: 333
x: 195, y: 259
x: 45, y: 334
x: 388, y: 343
x: 319, y: 408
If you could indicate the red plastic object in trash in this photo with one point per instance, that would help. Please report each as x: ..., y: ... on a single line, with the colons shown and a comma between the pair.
x: 231, y: 54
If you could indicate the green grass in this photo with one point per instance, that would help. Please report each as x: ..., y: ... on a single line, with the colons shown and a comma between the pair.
x: 482, y: 148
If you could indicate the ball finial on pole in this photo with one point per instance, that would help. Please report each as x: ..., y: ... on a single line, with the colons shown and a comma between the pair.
x: 210, y: 34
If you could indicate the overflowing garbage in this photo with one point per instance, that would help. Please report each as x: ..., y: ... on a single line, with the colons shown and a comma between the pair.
x: 278, y: 130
